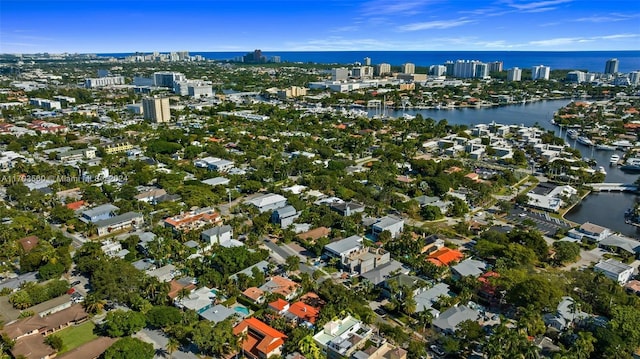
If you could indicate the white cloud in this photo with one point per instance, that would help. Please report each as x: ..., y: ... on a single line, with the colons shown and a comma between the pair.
x: 536, y: 5
x: 381, y: 7
x: 438, y: 24
x: 565, y: 41
x: 337, y: 43
x: 349, y: 28
x: 614, y: 17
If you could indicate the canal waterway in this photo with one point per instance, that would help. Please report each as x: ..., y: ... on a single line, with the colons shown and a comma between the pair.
x: 605, y: 209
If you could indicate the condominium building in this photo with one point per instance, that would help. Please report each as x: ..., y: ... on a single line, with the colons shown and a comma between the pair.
x: 117, y: 147
x: 540, y: 72
x: 383, y: 69
x: 339, y: 74
x: 156, y: 109
x: 408, y: 68
x: 166, y: 79
x: 495, y: 66
x: 514, y: 74
x: 437, y: 70
x: 103, y: 81
x: 367, y: 61
x: 611, y: 67
x: 634, y: 78
x: 46, y: 104
x: 469, y: 69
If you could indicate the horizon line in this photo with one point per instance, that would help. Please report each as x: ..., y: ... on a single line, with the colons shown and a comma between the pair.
x: 270, y: 51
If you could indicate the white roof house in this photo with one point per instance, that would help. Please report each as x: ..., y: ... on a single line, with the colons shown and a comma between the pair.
x: 268, y: 202
x: 615, y: 270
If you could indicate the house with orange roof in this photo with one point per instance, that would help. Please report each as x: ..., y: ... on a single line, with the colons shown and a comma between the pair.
x: 302, y: 313
x: 445, y: 256
x: 175, y: 286
x: 279, y: 305
x: 473, y: 176
x: 283, y: 286
x: 315, y: 234
x: 452, y: 169
x: 254, y: 294
x: 193, y: 220
x: 262, y: 340
x: 74, y: 206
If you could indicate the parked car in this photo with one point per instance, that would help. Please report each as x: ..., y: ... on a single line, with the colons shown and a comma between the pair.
x: 436, y: 349
x: 75, y: 283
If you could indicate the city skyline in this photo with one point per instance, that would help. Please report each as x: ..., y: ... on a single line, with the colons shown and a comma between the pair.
x: 31, y: 26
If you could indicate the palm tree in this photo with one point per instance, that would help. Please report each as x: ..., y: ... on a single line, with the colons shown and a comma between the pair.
x: 93, y: 304
x: 172, y: 345
x: 309, y: 348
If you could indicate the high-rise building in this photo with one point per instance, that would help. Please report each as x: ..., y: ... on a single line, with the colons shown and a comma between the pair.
x: 362, y: 72
x: 514, y: 74
x: 634, y: 78
x: 611, y: 66
x: 469, y: 69
x: 449, y: 65
x: 367, y: 61
x: 408, y: 68
x: 276, y: 59
x: 482, y: 70
x: 495, y: 66
x: 540, y: 72
x: 576, y: 77
x: 156, y: 109
x: 339, y: 74
x: 383, y: 69
x: 255, y: 57
x: 437, y: 70
x: 166, y: 79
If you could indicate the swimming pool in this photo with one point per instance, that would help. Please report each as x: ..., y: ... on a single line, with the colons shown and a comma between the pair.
x: 244, y: 311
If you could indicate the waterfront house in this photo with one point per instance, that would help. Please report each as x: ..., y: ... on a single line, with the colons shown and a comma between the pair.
x: 592, y: 232
x: 621, y: 244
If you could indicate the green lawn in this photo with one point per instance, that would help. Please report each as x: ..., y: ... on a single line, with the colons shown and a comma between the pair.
x: 75, y: 336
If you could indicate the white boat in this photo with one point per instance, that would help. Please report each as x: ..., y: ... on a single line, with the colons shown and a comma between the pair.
x: 604, y: 147
x: 614, y: 159
x: 573, y: 134
x: 585, y: 141
x: 623, y: 144
x: 601, y: 170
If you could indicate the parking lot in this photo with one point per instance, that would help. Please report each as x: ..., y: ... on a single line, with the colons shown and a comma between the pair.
x: 544, y: 222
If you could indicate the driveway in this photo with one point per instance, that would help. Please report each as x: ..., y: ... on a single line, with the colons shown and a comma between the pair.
x: 159, y: 342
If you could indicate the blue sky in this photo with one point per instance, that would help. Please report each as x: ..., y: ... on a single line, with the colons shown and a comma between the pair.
x: 91, y: 26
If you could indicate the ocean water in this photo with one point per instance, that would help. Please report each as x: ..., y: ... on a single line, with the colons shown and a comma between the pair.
x: 593, y: 61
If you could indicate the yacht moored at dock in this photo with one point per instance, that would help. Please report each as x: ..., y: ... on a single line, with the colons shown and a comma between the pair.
x: 614, y: 159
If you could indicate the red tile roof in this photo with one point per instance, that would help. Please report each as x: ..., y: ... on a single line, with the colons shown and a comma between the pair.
x: 75, y: 205
x: 304, y: 312
x: 253, y: 293
x: 444, y: 256
x: 279, y: 304
x: 261, y: 338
